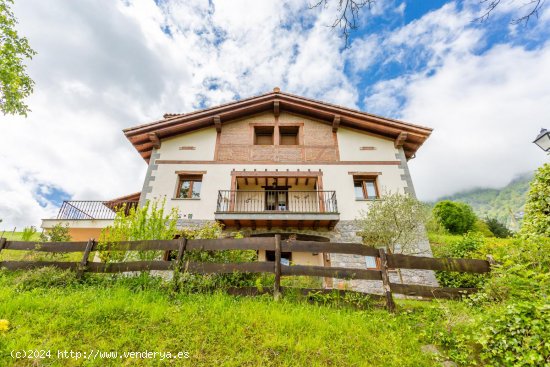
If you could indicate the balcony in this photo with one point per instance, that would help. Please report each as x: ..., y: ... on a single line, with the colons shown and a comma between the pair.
x: 93, y: 210
x: 277, y: 208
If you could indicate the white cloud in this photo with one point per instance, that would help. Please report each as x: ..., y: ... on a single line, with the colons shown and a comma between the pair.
x: 485, y: 110
x: 485, y: 107
x: 103, y: 66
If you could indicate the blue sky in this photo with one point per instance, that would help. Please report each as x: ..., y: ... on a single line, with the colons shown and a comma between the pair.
x: 104, y: 65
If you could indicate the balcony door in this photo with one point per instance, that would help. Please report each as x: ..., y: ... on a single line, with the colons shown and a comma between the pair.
x: 276, y: 198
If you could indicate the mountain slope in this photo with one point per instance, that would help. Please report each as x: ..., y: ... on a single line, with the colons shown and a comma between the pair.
x: 498, y: 203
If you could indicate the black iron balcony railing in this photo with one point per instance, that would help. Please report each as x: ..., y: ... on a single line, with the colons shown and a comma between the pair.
x: 261, y: 201
x: 73, y: 210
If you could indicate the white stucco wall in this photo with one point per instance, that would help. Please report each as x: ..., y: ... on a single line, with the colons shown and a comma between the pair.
x: 351, y: 141
x: 204, y: 142
x: 218, y: 176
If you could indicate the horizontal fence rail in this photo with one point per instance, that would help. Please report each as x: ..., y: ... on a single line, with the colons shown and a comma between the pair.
x: 293, y: 201
x: 181, y: 245
x: 79, y: 210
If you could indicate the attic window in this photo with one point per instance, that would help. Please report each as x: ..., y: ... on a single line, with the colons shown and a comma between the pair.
x: 263, y: 135
x: 289, y: 135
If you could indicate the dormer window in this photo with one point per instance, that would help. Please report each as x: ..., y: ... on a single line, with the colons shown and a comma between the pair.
x: 263, y: 135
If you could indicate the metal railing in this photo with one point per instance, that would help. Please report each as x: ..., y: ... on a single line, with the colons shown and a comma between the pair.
x: 74, y: 210
x: 260, y: 201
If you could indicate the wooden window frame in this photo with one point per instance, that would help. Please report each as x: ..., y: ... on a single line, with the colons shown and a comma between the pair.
x: 377, y: 262
x: 363, y: 180
x: 298, y: 136
x: 192, y: 178
x: 259, y: 127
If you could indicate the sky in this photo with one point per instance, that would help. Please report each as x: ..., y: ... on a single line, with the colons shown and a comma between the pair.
x: 106, y: 65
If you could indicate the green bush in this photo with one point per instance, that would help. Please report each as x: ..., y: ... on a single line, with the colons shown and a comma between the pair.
x: 457, y: 218
x: 536, y: 221
x: 466, y: 247
x: 497, y: 228
x: 482, y: 227
x: 517, y: 335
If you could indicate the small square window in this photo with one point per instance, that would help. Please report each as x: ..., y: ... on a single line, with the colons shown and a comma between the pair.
x: 263, y: 135
x: 370, y: 262
x: 365, y: 188
x: 189, y: 187
x: 289, y: 135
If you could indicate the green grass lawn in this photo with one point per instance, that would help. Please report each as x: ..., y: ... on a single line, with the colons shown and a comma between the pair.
x: 56, y: 312
x: 11, y: 255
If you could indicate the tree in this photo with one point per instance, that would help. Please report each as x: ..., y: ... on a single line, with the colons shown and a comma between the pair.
x: 149, y: 222
x: 396, y: 223
x: 530, y: 9
x: 348, y: 13
x: 15, y: 84
x: 498, y: 228
x: 457, y: 218
x: 536, y: 221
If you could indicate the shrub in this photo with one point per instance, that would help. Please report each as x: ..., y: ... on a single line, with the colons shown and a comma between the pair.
x: 457, y: 218
x: 149, y: 222
x: 523, y: 272
x: 482, y: 227
x: 517, y: 336
x: 497, y: 228
x: 466, y: 247
x: 537, y: 209
x: 58, y: 233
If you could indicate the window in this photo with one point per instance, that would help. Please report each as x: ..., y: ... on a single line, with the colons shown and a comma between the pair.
x: 289, y: 135
x: 263, y: 135
x: 370, y: 262
x: 270, y: 255
x: 365, y: 188
x: 189, y: 187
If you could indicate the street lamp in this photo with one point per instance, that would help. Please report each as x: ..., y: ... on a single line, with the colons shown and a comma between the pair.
x: 543, y: 140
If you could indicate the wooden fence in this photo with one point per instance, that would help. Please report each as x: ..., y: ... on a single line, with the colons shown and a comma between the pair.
x: 387, y: 261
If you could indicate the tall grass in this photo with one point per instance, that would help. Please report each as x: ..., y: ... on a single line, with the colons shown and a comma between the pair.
x: 216, y: 329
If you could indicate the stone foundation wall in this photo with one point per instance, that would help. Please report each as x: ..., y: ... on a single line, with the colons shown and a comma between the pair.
x: 345, y: 231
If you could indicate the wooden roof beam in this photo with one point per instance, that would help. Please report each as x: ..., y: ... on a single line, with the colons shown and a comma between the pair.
x: 335, y: 123
x: 155, y: 140
x: 276, y: 108
x: 218, y: 123
x: 400, y: 140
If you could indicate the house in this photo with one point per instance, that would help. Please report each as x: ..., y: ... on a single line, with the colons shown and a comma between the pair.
x: 274, y: 163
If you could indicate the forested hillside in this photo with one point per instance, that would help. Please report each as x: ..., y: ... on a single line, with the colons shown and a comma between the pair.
x: 498, y: 203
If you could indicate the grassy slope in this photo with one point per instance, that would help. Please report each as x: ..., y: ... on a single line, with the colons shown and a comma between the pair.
x: 214, y: 329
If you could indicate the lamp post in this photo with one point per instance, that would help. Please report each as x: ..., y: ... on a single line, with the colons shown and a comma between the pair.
x: 543, y: 140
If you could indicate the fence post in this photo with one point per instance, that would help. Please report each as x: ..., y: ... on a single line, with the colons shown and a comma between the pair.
x: 491, y: 260
x: 84, y: 261
x: 182, y: 245
x: 3, y: 242
x: 277, y: 288
x: 386, y: 280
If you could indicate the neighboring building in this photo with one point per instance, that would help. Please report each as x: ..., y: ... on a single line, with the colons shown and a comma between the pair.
x: 275, y: 163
